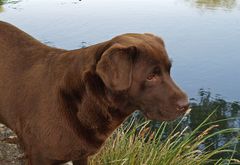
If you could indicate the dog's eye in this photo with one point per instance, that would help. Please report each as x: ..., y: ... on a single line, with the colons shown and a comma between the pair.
x: 153, y: 75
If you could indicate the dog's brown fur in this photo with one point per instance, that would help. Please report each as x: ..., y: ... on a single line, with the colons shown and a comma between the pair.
x: 64, y: 104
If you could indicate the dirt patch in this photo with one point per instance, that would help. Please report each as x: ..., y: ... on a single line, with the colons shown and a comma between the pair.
x: 10, y: 153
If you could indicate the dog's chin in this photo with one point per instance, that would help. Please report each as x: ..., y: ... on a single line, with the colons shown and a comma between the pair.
x: 160, y: 116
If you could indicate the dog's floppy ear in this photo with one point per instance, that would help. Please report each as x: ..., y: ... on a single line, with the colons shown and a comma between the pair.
x: 116, y: 65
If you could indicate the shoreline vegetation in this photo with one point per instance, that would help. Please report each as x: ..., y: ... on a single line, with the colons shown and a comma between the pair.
x: 137, y: 144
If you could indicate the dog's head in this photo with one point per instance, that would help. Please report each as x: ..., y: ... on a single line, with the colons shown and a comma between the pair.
x: 139, y: 65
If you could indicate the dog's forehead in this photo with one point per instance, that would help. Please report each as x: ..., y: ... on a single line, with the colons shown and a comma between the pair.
x: 149, y: 46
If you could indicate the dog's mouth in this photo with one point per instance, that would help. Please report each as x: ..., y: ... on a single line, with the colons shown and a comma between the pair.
x: 165, y: 115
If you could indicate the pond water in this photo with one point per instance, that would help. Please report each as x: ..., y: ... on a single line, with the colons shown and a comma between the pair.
x: 202, y: 36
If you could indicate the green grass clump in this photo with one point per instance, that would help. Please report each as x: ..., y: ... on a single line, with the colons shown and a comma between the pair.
x: 138, y: 144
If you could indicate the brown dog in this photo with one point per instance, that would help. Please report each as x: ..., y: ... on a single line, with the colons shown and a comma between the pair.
x: 64, y: 104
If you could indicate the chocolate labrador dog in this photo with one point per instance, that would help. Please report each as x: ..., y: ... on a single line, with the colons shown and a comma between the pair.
x: 63, y: 104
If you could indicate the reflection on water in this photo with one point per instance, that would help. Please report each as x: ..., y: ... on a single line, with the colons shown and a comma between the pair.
x: 3, y: 2
x: 228, y: 112
x: 214, y: 4
x: 1, y: 9
x: 9, y: 1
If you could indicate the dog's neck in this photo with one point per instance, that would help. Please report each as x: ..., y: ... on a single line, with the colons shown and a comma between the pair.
x: 93, y: 111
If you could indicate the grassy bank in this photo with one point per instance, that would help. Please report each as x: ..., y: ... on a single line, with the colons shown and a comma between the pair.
x: 137, y: 144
